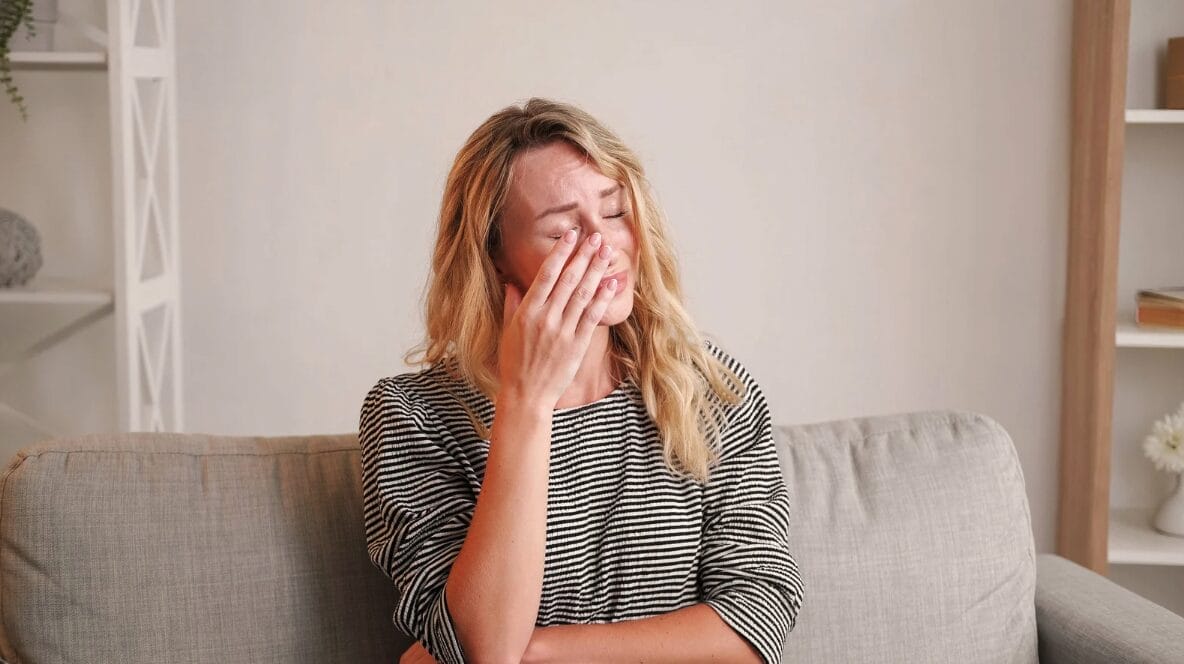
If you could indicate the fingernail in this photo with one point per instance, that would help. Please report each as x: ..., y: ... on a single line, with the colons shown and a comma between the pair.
x: 606, y: 251
x: 569, y: 236
x: 612, y: 284
x: 594, y: 240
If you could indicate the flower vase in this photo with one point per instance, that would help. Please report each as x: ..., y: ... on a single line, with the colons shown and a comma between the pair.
x: 1169, y: 518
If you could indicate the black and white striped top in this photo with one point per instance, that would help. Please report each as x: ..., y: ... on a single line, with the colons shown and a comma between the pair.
x: 626, y: 538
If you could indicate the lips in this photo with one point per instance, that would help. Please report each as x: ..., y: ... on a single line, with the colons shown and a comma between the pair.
x: 620, y: 277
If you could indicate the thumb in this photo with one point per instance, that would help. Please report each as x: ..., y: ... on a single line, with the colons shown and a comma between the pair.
x: 512, y: 300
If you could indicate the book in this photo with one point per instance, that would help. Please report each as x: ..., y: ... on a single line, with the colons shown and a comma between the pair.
x: 1160, y: 307
x: 1162, y: 297
x: 1160, y: 317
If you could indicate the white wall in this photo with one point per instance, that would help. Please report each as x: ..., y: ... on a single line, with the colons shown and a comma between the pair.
x: 869, y: 198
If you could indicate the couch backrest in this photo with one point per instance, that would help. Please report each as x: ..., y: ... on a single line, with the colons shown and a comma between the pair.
x: 186, y: 547
x: 911, y: 532
x: 914, y: 539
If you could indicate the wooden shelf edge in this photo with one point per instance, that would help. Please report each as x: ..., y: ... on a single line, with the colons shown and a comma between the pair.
x: 1098, y: 76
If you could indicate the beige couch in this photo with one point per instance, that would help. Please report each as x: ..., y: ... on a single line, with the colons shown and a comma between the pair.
x: 912, y: 532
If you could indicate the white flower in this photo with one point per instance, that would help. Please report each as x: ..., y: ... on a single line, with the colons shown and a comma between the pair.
x: 1165, y: 444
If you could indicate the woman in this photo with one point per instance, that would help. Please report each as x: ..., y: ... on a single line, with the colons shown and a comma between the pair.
x: 577, y: 475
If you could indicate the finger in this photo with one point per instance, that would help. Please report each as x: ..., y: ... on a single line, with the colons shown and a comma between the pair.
x: 590, y: 317
x: 513, y: 298
x: 572, y: 279
x: 540, y: 289
x: 587, y: 288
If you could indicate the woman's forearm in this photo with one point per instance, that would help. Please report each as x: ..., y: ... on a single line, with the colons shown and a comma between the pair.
x: 691, y: 634
x: 496, y: 581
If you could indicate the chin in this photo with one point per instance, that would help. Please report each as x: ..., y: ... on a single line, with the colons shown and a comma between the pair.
x: 617, y: 312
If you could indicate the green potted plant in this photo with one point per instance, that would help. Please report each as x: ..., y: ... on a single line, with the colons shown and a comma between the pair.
x: 13, y: 14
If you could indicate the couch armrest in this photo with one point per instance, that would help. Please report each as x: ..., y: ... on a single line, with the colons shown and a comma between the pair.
x: 1083, y: 617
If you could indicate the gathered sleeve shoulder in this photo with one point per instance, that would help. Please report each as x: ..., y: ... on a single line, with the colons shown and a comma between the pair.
x: 747, y: 573
x: 417, y: 507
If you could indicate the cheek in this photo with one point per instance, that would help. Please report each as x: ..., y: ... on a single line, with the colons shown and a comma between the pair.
x: 521, y: 264
x: 623, y: 240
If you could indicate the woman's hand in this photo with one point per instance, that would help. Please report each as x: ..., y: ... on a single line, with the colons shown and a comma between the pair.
x: 416, y: 654
x: 547, y: 331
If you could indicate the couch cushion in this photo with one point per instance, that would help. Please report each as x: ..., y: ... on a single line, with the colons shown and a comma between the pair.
x: 914, y: 539
x: 150, y: 547
x: 912, y: 534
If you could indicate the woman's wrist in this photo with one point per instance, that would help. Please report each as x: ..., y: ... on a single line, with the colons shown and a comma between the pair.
x: 522, y: 403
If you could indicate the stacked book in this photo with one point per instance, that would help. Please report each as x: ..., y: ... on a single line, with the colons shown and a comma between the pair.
x: 1161, y: 307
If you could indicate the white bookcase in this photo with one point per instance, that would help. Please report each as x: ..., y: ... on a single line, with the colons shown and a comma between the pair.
x: 1149, y: 362
x: 136, y: 52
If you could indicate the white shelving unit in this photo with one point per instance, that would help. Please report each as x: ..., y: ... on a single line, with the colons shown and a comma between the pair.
x: 1131, y: 538
x: 137, y: 53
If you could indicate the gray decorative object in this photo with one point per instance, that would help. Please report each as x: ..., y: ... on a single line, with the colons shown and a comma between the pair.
x: 20, y: 250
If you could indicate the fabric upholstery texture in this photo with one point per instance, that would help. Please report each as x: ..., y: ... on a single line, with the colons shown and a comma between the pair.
x: 185, y: 547
x: 912, y: 533
x: 1086, y: 619
x: 914, y: 540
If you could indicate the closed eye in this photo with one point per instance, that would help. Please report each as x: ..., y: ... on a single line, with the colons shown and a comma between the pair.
x: 618, y: 215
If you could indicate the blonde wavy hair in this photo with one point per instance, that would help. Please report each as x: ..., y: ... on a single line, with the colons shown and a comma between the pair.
x: 684, y: 386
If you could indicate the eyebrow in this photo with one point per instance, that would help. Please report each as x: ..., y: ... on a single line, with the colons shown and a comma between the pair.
x: 571, y: 206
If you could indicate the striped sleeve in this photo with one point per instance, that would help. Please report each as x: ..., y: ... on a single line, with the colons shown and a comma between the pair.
x: 747, y: 573
x: 416, y: 506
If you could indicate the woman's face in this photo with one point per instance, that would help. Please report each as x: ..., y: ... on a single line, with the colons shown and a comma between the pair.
x: 555, y: 187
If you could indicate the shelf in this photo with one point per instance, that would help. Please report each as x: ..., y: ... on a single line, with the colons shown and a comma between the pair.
x: 1153, y: 116
x: 1134, y: 541
x: 44, y: 312
x: 132, y: 43
x: 53, y: 290
x: 58, y: 60
x: 1128, y: 334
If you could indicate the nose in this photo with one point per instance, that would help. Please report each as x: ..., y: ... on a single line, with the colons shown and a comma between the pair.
x: 589, y: 223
